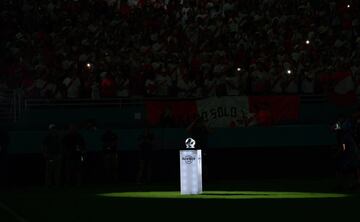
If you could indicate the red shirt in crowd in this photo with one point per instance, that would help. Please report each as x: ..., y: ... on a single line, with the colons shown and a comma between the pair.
x: 108, y: 87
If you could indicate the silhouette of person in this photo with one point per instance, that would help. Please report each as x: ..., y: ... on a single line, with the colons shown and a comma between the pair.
x: 74, y: 150
x: 146, y: 143
x: 52, y: 151
x: 348, y: 156
x: 110, y: 156
x: 166, y: 119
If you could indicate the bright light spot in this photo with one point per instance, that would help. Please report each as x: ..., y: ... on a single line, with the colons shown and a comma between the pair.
x: 307, y: 42
x: 348, y: 6
x: 288, y: 71
x: 88, y: 65
x: 238, y: 69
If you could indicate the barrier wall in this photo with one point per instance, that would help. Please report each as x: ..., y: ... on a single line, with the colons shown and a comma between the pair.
x: 310, y: 129
x: 133, y: 115
x: 40, y: 118
x: 322, y: 113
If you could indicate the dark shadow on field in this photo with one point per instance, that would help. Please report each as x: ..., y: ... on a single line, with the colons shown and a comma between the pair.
x: 85, y: 205
x: 240, y: 208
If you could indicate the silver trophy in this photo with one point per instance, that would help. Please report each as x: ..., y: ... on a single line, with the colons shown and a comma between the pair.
x: 190, y: 143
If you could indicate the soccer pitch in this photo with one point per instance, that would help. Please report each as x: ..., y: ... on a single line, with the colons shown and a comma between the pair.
x: 225, y: 195
x: 254, y: 200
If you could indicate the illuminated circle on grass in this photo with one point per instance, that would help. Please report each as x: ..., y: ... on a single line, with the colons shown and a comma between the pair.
x: 244, y: 195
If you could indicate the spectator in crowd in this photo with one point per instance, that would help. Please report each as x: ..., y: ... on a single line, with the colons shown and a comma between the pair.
x: 163, y: 82
x: 59, y: 37
x: 75, y: 154
x: 110, y: 156
x: 123, y: 85
x: 290, y: 83
x: 72, y: 85
x: 146, y: 146
x: 308, y: 83
x: 186, y: 86
x: 107, y: 85
x: 150, y: 85
x: 53, y: 153
x: 233, y: 82
x: 209, y: 85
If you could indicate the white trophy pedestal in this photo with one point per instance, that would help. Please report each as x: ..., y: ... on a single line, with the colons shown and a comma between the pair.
x: 190, y: 171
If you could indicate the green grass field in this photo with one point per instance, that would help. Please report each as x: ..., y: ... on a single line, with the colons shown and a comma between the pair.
x: 263, y: 200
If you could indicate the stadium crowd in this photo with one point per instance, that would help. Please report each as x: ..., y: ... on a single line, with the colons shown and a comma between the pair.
x: 177, y: 48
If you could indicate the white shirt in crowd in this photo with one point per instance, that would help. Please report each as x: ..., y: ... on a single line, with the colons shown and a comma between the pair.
x: 291, y: 87
x: 276, y: 82
x: 307, y: 85
x: 186, y: 88
x: 210, y: 87
x: 232, y: 85
x: 95, y: 91
x: 50, y: 88
x: 163, y: 83
x: 150, y: 87
x: 39, y: 83
x: 72, y: 87
x: 44, y: 87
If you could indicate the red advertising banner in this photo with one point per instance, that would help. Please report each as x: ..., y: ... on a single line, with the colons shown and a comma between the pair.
x: 274, y: 109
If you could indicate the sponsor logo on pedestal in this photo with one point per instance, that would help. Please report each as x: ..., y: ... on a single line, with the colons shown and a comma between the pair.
x: 188, y: 159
